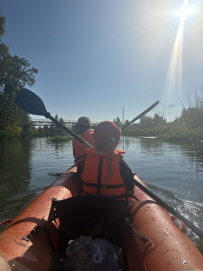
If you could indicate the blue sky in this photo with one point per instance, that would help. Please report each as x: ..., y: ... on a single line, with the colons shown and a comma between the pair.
x: 97, y: 57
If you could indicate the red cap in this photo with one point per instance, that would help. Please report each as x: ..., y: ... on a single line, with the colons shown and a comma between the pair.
x: 106, y: 130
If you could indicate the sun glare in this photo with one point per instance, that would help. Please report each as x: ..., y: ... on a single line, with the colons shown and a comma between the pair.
x: 184, y: 11
x: 174, y: 77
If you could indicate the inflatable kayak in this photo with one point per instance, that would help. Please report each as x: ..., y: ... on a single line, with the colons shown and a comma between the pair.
x: 153, y: 240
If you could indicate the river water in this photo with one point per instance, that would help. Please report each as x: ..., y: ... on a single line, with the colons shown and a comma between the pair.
x: 173, y: 172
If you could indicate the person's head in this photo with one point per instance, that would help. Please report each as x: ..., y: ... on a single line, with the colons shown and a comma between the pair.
x: 107, y: 135
x: 83, y: 124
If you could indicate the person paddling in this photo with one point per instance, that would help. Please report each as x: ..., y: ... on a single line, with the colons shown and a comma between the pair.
x: 85, y: 132
x: 104, y: 172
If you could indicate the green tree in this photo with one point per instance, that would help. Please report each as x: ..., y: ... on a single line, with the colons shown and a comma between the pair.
x: 192, y: 117
x: 158, y: 120
x: 146, y: 121
x: 15, y: 73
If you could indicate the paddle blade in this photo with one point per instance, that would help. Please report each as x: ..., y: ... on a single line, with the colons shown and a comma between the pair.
x: 30, y: 102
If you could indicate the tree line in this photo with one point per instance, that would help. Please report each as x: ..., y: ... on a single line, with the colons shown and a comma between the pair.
x: 15, y: 73
x: 187, y: 127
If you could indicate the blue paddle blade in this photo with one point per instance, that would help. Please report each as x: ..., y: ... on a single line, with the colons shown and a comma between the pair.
x: 30, y: 102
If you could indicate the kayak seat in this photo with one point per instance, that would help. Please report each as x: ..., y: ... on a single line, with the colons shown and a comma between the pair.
x: 95, y: 216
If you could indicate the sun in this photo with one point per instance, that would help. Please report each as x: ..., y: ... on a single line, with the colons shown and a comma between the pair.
x: 184, y: 11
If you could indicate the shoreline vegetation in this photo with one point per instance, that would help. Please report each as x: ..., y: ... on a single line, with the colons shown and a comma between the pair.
x: 171, y: 132
x: 60, y: 138
x: 186, y: 128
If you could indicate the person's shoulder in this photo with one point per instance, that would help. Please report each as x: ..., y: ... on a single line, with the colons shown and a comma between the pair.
x: 124, y: 165
x: 87, y: 132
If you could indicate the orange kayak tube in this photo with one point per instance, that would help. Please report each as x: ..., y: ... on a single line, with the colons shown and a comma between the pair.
x: 36, y: 255
x: 168, y: 248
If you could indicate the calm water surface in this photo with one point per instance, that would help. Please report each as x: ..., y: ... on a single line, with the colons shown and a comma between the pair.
x: 172, y: 172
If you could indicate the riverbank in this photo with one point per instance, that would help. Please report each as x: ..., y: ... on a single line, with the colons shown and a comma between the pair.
x: 170, y: 133
x: 60, y: 138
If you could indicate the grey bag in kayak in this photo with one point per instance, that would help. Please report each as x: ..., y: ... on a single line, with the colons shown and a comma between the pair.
x: 93, y: 255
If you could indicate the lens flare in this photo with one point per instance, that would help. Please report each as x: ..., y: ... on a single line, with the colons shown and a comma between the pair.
x: 174, y: 77
x: 184, y: 11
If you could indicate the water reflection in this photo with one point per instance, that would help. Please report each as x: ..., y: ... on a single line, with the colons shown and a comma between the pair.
x: 15, y: 175
x: 14, y: 167
x: 194, y: 152
x: 151, y: 144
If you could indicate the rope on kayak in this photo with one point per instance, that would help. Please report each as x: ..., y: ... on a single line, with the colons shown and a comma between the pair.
x: 145, y: 240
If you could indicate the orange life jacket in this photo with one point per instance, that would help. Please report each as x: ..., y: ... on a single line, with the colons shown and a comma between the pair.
x: 79, y: 149
x: 95, y: 173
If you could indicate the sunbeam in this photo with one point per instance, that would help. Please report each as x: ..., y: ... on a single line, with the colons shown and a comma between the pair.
x: 174, y: 76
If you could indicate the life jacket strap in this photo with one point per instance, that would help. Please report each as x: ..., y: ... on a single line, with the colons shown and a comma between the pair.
x: 144, y: 239
x: 28, y: 237
x: 132, y: 196
x: 102, y: 185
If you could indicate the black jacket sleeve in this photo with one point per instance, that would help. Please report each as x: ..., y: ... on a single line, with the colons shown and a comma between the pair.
x: 80, y: 168
x: 126, y: 175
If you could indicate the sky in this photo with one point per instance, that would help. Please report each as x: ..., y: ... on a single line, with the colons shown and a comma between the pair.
x: 102, y: 58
